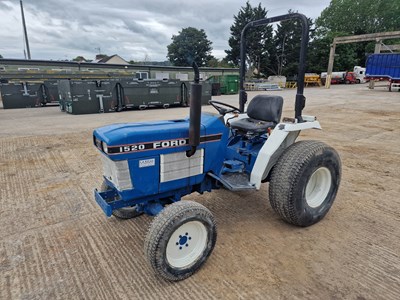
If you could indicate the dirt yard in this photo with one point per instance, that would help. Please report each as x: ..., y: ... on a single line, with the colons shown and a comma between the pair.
x: 56, y: 242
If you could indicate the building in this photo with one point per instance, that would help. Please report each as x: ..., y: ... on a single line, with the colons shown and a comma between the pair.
x: 43, y: 69
x: 113, y: 59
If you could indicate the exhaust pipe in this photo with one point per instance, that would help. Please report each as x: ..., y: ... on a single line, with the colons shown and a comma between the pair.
x: 195, y: 112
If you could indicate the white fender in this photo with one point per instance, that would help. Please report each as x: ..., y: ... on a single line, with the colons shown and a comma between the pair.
x: 281, y: 137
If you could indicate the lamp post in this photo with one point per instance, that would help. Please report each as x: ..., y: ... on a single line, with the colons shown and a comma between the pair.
x: 25, y: 32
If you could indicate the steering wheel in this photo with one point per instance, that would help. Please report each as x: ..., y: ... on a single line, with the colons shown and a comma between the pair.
x: 222, y: 111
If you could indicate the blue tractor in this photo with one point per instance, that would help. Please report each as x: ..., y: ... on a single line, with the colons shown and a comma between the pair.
x: 150, y: 166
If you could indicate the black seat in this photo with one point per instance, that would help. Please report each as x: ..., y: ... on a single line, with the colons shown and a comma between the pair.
x: 264, y: 112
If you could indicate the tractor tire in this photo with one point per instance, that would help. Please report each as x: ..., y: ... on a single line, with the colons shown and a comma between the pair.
x: 180, y: 239
x: 304, y: 182
x: 123, y: 213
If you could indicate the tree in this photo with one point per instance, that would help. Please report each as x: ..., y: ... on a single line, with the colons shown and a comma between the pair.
x: 287, y: 42
x: 1, y: 56
x: 190, y: 44
x: 360, y: 16
x: 317, y: 58
x: 213, y: 62
x: 259, y: 47
x: 216, y: 63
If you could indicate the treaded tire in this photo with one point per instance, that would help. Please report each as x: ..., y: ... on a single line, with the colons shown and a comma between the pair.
x: 294, y: 192
x: 126, y: 213
x: 123, y: 213
x: 162, y: 245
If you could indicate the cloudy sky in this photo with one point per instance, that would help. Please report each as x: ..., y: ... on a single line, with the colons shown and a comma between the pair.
x: 133, y: 29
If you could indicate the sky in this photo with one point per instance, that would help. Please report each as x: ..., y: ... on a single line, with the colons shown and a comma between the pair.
x: 135, y: 30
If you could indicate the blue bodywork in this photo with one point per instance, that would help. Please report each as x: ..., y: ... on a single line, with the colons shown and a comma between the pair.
x: 383, y: 66
x: 142, y: 145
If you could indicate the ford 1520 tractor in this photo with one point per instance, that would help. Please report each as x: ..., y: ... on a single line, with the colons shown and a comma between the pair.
x: 150, y: 166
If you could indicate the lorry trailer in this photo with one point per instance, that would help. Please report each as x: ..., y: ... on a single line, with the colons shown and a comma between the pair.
x: 384, y: 66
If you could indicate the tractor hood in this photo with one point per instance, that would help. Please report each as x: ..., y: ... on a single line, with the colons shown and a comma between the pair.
x: 119, y: 140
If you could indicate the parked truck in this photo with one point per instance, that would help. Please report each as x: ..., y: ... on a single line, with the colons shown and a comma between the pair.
x: 384, y: 67
x: 359, y: 72
x: 340, y: 77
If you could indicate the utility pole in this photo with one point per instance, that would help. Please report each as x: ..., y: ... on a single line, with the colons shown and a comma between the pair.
x: 25, y: 32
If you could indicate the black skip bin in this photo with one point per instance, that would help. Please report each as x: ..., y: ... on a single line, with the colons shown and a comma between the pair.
x: 20, y: 95
x: 87, y: 96
x: 135, y: 93
x: 151, y: 93
x: 206, y: 91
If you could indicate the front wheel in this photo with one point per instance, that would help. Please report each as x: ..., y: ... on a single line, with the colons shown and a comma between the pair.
x: 304, y: 182
x: 180, y: 239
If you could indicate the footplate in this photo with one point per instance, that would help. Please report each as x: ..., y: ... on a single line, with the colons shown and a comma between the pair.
x: 235, y: 181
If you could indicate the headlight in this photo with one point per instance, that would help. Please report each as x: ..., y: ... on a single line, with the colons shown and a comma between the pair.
x: 104, y: 147
x: 97, y: 143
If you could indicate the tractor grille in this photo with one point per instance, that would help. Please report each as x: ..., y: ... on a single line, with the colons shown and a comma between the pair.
x: 117, y: 172
x: 177, y: 165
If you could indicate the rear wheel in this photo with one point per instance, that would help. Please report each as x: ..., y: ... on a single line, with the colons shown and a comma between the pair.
x: 304, y: 182
x: 124, y: 213
x: 180, y: 239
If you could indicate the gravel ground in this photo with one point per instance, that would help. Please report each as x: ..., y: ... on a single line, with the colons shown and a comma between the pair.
x: 57, y: 244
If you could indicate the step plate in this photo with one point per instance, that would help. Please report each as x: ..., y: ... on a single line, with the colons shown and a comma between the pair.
x: 235, y: 181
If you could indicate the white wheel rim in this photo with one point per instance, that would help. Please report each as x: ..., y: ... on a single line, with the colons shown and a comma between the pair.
x: 187, y: 244
x: 318, y: 187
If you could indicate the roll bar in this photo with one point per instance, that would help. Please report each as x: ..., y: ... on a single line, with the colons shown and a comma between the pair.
x: 300, y: 99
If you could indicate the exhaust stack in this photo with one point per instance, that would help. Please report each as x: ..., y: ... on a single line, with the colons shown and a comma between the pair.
x: 195, y: 112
